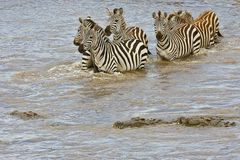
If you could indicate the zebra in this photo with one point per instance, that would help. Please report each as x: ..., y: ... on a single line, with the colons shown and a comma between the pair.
x: 87, y: 59
x: 211, y: 18
x: 177, y: 42
x: 204, y: 28
x: 113, y: 57
x: 120, y: 30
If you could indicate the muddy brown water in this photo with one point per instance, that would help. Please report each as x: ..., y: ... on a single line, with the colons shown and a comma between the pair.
x: 40, y: 72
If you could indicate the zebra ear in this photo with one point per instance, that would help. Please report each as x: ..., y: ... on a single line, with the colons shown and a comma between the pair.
x: 80, y: 20
x: 115, y: 11
x: 109, y: 13
x: 179, y: 12
x: 154, y: 15
x: 165, y: 14
x: 121, y: 11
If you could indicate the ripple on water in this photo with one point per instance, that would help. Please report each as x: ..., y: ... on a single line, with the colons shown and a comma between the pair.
x: 41, y: 72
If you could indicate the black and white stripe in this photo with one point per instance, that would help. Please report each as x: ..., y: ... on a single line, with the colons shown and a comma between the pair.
x: 87, y: 60
x: 112, y: 57
x: 120, y: 30
x: 177, y: 42
x: 212, y: 18
x: 204, y: 28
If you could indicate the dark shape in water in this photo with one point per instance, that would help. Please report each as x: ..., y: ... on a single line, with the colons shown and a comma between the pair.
x: 194, y: 121
x: 203, y: 121
x: 138, y: 122
x: 25, y: 115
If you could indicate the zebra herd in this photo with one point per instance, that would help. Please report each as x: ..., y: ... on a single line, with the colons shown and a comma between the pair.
x: 178, y: 35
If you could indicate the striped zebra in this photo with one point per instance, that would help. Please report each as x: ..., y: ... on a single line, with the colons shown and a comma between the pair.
x: 204, y: 28
x: 87, y: 59
x: 211, y: 18
x: 120, y: 30
x: 112, y: 57
x: 177, y: 42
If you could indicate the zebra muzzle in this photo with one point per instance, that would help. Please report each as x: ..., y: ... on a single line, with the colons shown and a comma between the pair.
x: 108, y: 30
x: 76, y: 42
x: 81, y: 48
x: 159, y: 35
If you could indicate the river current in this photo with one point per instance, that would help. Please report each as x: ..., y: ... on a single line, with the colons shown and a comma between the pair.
x: 40, y: 71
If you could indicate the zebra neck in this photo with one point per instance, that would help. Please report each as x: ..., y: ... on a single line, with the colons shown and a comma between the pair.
x: 163, y: 40
x: 101, y: 51
x: 124, y: 25
x: 119, y: 36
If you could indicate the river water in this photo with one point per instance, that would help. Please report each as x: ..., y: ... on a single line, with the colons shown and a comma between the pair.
x: 41, y: 71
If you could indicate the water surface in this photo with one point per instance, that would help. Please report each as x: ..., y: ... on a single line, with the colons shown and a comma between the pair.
x: 40, y: 71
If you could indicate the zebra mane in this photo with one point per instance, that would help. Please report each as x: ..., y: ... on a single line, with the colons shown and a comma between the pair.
x: 162, y: 14
x: 175, y: 17
x: 179, y: 12
x: 101, y: 31
x: 159, y: 15
x: 89, y: 23
x: 185, y: 15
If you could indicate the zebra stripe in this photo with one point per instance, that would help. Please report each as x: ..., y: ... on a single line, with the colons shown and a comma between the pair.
x: 87, y: 60
x: 120, y: 30
x: 177, y: 42
x: 204, y: 28
x: 111, y: 57
x: 86, y: 55
x: 213, y: 19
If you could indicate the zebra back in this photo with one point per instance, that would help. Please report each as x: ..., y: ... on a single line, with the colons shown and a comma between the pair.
x: 205, y: 29
x: 213, y: 19
x: 136, y: 33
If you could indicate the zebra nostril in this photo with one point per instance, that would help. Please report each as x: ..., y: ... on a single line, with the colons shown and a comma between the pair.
x: 81, y: 48
x: 108, y: 30
x: 159, y: 35
x: 86, y: 47
x: 75, y: 43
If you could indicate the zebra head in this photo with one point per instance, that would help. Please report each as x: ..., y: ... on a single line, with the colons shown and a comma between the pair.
x: 77, y: 39
x: 174, y: 20
x: 116, y: 20
x: 159, y: 21
x: 186, y: 16
x: 81, y: 29
x: 88, y: 35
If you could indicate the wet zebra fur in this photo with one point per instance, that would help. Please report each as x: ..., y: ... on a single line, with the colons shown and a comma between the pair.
x: 209, y: 16
x: 87, y: 60
x: 204, y: 28
x: 213, y: 19
x: 112, y: 57
x: 177, y: 42
x: 118, y: 27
